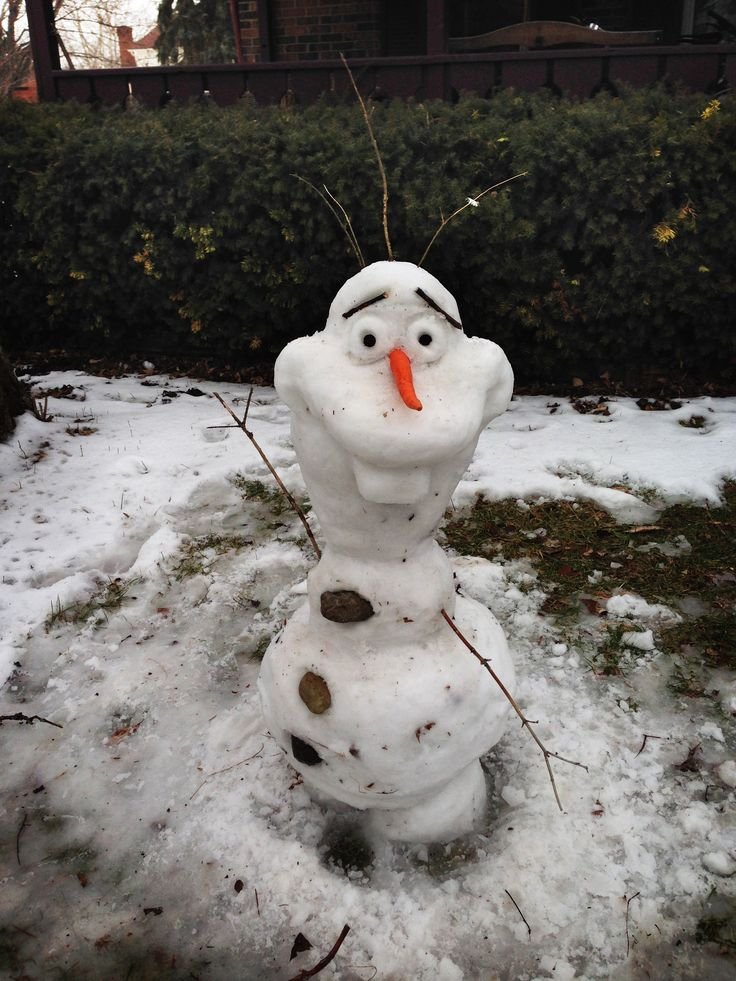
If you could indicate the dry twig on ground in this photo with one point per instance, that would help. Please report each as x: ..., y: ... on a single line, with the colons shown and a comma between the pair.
x: 28, y: 719
x: 321, y: 965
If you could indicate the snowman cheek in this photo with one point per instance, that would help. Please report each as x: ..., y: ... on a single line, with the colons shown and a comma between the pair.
x: 401, y: 370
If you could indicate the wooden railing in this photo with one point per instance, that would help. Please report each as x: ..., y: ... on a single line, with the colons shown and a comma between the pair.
x: 578, y: 72
x: 532, y: 34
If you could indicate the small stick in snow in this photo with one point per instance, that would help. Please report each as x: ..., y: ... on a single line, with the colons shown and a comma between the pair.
x: 526, y: 723
x: 242, y: 426
x: 21, y: 829
x: 258, y: 905
x: 519, y: 912
x: 28, y: 719
x: 303, y: 975
x: 644, y: 742
x: 628, y: 904
x: 225, y: 770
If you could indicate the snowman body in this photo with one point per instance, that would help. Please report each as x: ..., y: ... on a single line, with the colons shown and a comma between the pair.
x: 367, y: 689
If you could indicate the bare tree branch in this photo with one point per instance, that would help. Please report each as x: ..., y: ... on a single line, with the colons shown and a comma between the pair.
x: 241, y: 424
x: 377, y: 152
x: 548, y: 754
x: 469, y: 202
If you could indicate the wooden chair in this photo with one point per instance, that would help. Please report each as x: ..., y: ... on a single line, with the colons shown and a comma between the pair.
x: 535, y: 34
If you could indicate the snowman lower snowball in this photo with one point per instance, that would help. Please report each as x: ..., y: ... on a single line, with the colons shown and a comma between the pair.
x: 374, y: 699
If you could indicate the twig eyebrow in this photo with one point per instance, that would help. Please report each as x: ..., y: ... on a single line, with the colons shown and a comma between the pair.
x: 366, y: 303
x: 435, y: 306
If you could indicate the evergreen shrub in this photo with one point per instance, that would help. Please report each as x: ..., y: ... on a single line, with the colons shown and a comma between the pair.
x: 186, y: 231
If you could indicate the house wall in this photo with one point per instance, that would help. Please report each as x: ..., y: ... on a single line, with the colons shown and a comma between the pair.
x: 302, y: 30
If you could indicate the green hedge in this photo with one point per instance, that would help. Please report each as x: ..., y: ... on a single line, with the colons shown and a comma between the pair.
x: 184, y: 230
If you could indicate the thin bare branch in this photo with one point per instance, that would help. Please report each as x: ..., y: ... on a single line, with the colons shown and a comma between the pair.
x: 548, y: 754
x: 321, y: 965
x: 470, y: 202
x: 21, y: 829
x: 526, y: 924
x: 226, y: 769
x: 348, y: 225
x: 292, y: 501
x: 28, y: 719
x: 647, y: 737
x: 377, y: 151
x: 344, y: 222
x: 628, y: 937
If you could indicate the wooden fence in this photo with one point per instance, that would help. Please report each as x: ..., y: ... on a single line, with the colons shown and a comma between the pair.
x: 580, y: 72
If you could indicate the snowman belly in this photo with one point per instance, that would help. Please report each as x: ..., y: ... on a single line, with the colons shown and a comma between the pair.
x: 389, y: 724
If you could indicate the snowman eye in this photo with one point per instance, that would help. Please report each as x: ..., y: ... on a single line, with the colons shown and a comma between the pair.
x: 425, y: 339
x: 368, y: 339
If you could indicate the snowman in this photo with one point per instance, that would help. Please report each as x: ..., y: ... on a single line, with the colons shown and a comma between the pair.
x: 373, y: 698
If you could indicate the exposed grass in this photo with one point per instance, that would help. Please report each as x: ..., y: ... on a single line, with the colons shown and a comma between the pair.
x: 718, y: 924
x: 270, y: 496
x: 198, y: 555
x: 582, y: 557
x: 256, y: 490
x: 107, y: 600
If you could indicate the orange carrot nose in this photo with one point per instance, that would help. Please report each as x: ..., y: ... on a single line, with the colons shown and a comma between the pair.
x: 401, y: 370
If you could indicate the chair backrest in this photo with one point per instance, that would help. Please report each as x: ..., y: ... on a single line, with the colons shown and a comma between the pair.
x: 551, y: 34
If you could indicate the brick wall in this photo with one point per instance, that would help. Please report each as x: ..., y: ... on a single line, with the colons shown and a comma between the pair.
x: 250, y: 40
x: 309, y: 31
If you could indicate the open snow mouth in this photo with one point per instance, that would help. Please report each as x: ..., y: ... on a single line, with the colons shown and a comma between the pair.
x: 395, y: 486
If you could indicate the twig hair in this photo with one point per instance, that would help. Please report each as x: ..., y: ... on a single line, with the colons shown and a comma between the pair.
x: 379, y: 158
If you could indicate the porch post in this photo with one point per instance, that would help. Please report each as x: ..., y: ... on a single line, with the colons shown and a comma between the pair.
x: 436, y: 33
x: 434, y: 74
x: 235, y: 24
x: 264, y: 29
x: 44, y: 47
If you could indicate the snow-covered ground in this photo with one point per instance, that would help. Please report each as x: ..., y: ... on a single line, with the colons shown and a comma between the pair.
x: 156, y: 831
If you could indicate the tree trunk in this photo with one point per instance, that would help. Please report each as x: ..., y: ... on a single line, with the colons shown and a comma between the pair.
x: 13, y: 398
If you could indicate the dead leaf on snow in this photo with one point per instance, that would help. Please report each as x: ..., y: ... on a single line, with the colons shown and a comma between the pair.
x: 424, y: 729
x: 299, y: 946
x: 690, y: 763
x: 123, y: 732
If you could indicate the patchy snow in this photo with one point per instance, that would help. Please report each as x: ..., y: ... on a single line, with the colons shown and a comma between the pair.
x: 160, y: 833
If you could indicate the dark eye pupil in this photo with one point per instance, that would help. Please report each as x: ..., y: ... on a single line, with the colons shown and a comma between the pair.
x: 425, y: 339
x: 369, y: 340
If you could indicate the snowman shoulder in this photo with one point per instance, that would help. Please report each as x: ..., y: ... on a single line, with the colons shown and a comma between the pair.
x: 292, y: 370
x: 498, y: 377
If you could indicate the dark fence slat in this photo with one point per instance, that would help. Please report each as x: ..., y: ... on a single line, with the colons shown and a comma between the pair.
x: 79, y: 88
x: 730, y: 70
x: 185, y: 87
x: 268, y: 88
x: 226, y: 89
x: 527, y: 76
x: 401, y: 81
x: 150, y: 89
x: 307, y: 85
x: 693, y: 71
x: 637, y: 70
x: 578, y: 78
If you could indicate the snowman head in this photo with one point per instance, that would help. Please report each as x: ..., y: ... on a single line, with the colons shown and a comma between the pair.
x: 398, y: 312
